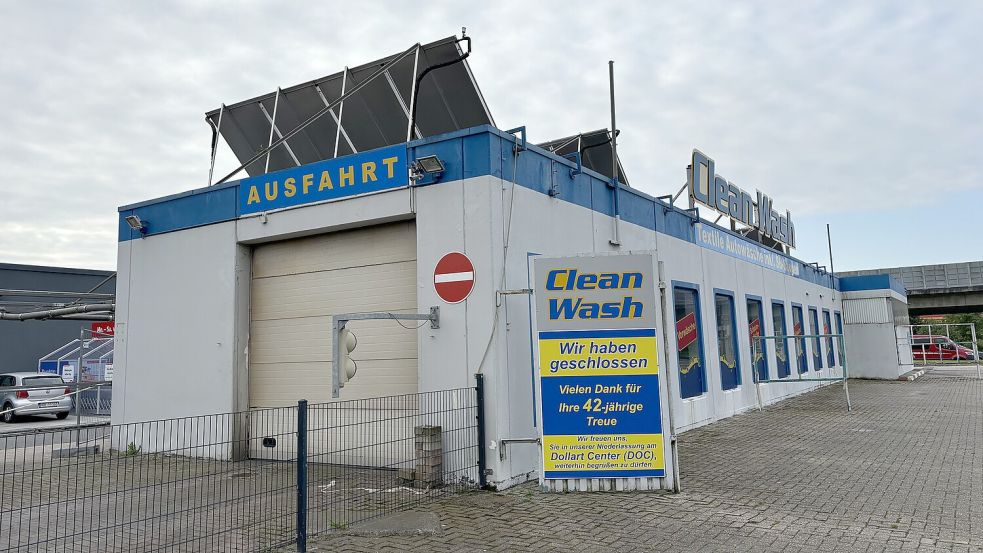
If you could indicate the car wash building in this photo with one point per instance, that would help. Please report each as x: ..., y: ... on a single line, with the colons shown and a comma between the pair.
x: 389, y: 189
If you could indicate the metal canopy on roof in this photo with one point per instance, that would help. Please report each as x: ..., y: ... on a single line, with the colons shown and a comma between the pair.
x: 594, y: 148
x: 377, y: 115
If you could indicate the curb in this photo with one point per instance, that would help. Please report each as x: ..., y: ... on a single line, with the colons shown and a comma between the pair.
x: 911, y: 376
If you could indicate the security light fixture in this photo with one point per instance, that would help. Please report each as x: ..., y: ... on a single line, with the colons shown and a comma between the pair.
x: 431, y: 164
x: 135, y: 223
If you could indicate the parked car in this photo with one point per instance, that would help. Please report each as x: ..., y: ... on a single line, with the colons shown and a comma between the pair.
x: 939, y: 348
x: 45, y: 394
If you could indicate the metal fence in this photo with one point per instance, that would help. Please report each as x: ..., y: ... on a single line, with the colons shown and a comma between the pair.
x: 949, y: 348
x: 244, y: 481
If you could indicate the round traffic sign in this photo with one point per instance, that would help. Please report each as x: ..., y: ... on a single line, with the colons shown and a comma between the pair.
x: 453, y: 277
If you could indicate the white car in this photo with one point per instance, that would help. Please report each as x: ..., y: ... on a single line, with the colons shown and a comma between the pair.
x: 30, y: 393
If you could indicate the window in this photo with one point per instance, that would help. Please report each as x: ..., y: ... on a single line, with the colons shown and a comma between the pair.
x: 692, y: 377
x: 839, y: 330
x: 800, y: 343
x: 756, y: 328
x: 43, y: 381
x: 730, y: 373
x: 781, y: 344
x: 817, y: 344
x: 828, y: 329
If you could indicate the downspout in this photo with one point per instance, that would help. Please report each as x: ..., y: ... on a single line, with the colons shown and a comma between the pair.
x: 419, y: 79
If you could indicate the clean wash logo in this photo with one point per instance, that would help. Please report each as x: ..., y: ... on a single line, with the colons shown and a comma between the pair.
x: 570, y: 280
x: 712, y: 190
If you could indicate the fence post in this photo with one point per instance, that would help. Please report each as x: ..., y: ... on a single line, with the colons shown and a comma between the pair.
x: 302, y: 476
x: 479, y: 389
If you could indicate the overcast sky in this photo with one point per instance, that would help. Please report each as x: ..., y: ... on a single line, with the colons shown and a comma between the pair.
x: 866, y: 115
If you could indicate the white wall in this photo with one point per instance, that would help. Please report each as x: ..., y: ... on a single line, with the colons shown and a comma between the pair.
x: 472, y: 216
x: 174, y: 363
x: 872, y: 337
x: 176, y: 325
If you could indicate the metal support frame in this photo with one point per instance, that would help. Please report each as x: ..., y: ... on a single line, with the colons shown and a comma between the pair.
x: 269, y: 148
x: 275, y: 130
x: 216, y: 131
x: 499, y: 294
x: 409, y: 123
x: 615, y: 182
x: 402, y: 104
x: 680, y: 193
x: 502, y: 444
x: 801, y: 338
x: 327, y: 108
x: 338, y: 323
x: 339, y: 128
x: 673, y: 441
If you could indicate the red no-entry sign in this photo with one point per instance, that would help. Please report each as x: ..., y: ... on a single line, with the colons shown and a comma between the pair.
x: 453, y: 277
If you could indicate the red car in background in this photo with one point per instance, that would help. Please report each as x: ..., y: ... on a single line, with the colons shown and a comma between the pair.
x: 939, y: 348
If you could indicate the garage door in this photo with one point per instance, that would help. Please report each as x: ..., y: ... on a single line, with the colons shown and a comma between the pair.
x: 297, y: 285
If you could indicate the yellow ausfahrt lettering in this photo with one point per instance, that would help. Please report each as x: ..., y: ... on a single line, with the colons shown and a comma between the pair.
x: 308, y: 182
x: 253, y: 196
x: 368, y: 172
x: 289, y: 188
x: 389, y: 162
x: 348, y: 176
x: 325, y: 182
x: 270, y: 196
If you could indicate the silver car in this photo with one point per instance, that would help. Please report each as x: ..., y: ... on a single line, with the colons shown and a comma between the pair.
x: 30, y: 393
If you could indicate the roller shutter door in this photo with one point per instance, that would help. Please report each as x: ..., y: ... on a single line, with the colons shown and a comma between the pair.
x: 297, y: 285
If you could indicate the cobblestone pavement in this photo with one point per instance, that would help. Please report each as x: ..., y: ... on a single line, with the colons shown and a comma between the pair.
x: 903, y: 472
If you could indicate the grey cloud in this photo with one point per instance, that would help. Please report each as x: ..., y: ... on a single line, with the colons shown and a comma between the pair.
x: 827, y: 107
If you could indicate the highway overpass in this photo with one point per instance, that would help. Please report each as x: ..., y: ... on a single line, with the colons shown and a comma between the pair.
x: 938, y: 289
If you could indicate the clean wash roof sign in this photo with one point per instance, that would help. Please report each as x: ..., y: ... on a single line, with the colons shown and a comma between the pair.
x: 712, y: 190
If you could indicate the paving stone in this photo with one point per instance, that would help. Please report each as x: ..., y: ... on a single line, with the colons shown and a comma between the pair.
x: 902, y: 472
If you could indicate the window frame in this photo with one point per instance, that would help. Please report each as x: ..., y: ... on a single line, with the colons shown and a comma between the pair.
x: 801, y: 353
x: 735, y: 342
x: 785, y: 342
x: 828, y: 329
x: 817, y: 343
x: 701, y: 354
x: 756, y: 373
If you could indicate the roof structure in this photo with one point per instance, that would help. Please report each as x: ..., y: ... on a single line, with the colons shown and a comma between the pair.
x: 433, y: 80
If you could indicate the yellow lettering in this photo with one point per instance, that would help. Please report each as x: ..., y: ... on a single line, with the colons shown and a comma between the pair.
x: 308, y: 181
x: 272, y: 196
x: 325, y: 182
x: 368, y: 172
x: 289, y: 188
x: 253, y: 195
x: 348, y: 175
x: 389, y: 162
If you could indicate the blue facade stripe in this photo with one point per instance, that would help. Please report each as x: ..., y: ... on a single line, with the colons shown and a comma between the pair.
x: 871, y: 282
x: 182, y: 212
x: 574, y: 334
x: 467, y: 153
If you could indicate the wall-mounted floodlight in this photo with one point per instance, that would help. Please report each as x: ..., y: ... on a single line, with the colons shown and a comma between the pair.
x: 136, y: 224
x: 431, y: 164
